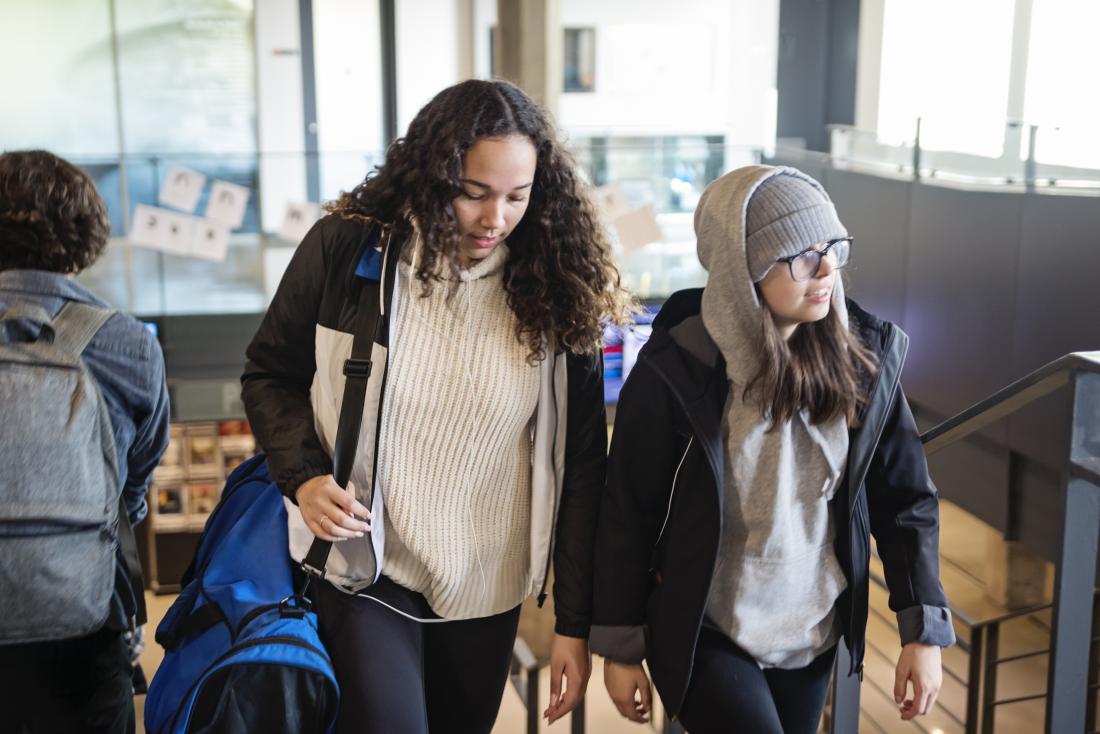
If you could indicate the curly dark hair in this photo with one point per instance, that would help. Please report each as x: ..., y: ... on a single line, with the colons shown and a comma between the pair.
x: 51, y: 216
x: 560, y: 278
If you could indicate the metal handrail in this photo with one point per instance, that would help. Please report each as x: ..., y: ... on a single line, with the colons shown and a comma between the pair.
x: 1067, y: 702
x: 1024, y: 391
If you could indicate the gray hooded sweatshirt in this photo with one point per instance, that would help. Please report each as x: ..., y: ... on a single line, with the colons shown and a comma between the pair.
x: 777, y: 579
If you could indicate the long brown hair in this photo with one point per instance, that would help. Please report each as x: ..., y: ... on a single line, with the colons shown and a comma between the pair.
x: 823, y: 368
x: 559, y: 277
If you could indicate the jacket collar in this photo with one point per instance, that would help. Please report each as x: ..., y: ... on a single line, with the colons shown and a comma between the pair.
x: 699, y: 386
x: 695, y: 373
x: 48, y: 284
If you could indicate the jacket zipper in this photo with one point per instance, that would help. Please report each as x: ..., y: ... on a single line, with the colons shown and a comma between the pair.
x: 672, y: 495
x: 874, y: 447
x: 279, y: 639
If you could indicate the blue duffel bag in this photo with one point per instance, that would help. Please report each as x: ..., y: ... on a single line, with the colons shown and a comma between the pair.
x: 242, y: 651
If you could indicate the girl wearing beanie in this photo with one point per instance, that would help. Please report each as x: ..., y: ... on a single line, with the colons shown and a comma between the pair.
x: 760, y: 440
x: 482, y: 452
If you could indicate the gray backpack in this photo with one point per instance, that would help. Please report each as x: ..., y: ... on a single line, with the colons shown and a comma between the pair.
x: 60, y: 505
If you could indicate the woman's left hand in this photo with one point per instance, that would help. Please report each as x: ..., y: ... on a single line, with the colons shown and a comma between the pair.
x: 920, y: 665
x: 569, y: 658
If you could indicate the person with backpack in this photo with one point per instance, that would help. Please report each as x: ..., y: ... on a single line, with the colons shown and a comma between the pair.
x: 475, y: 258
x: 759, y: 441
x: 83, y: 423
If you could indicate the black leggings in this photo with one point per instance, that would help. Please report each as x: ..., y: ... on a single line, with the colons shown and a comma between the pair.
x: 80, y: 685
x: 400, y: 676
x: 730, y: 693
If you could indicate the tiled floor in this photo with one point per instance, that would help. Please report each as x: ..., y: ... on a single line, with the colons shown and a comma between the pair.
x: 964, y: 548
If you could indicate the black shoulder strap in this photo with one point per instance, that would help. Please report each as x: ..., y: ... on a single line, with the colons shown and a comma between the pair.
x: 357, y: 370
x: 128, y: 542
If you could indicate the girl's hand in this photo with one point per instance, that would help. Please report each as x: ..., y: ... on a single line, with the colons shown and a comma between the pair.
x: 919, y: 664
x: 628, y: 686
x: 569, y: 658
x: 331, y: 513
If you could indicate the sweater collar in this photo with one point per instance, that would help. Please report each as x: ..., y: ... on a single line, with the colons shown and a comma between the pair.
x: 489, y: 265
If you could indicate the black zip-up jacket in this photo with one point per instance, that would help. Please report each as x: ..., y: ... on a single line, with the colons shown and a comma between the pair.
x: 660, y: 522
x: 294, y: 362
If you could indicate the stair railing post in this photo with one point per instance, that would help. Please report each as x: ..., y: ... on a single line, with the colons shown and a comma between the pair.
x: 845, y: 704
x: 974, y: 681
x: 1075, y: 578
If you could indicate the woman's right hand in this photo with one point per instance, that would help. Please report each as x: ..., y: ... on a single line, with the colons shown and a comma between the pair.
x: 331, y: 513
x: 628, y: 686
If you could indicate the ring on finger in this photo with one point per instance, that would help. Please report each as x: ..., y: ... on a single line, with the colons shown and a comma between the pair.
x: 324, y: 519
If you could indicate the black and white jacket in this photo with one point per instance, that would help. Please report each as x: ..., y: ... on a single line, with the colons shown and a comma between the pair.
x: 661, y: 516
x: 293, y: 385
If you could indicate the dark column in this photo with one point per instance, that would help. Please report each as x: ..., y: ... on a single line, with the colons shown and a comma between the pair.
x: 389, y: 70
x: 845, y: 704
x: 816, y: 75
x: 309, y: 101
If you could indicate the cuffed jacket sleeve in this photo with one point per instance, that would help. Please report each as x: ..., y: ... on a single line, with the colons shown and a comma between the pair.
x: 280, y: 367
x: 582, y: 486
x: 644, y: 449
x: 151, y: 432
x: 904, y: 513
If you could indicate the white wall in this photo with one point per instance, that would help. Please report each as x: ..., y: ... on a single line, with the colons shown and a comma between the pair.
x: 753, y: 53
x: 281, y: 134
x: 427, y: 53
x: 347, y: 53
x: 689, y: 67
x: 869, y: 63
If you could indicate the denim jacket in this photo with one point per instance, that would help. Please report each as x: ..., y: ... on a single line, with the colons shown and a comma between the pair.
x: 127, y: 362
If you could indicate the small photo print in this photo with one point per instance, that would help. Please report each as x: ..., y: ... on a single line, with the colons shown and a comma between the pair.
x: 203, y: 497
x: 233, y: 460
x: 169, y: 500
x: 173, y: 455
x: 169, y: 506
x: 234, y: 428
x: 202, y: 450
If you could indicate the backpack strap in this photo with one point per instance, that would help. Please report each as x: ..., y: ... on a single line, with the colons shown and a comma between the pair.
x: 23, y: 311
x: 357, y: 371
x: 128, y: 543
x: 75, y: 325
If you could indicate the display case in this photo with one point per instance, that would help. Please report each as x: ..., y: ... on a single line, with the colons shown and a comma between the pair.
x: 185, y: 489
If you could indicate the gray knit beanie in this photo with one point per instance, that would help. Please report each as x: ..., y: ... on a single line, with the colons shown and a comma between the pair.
x: 787, y: 213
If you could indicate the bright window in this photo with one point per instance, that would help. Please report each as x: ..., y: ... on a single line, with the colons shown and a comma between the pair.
x: 1061, y: 82
x: 947, y: 62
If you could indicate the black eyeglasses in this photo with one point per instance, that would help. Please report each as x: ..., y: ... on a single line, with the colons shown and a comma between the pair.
x: 805, y: 264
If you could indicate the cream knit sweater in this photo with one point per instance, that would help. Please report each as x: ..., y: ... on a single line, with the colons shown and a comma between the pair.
x: 455, y: 450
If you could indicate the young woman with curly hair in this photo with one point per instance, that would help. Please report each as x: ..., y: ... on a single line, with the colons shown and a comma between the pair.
x: 483, y: 446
